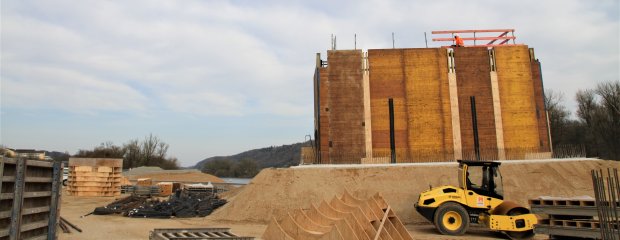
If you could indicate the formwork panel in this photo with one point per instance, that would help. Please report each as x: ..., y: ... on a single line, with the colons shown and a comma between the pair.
x: 346, y: 101
x: 472, y: 67
x: 518, y: 105
x: 324, y: 114
x: 386, y: 77
x: 426, y: 85
x: 541, y: 115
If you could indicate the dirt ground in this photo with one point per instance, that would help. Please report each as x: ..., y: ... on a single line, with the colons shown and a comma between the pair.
x: 276, y: 191
x: 117, y: 227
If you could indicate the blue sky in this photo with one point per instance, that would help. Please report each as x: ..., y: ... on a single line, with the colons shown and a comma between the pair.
x: 220, y: 77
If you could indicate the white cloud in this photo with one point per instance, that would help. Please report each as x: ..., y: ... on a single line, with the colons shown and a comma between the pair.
x: 244, y: 58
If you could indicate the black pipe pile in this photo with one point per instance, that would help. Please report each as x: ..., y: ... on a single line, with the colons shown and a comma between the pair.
x: 182, y: 204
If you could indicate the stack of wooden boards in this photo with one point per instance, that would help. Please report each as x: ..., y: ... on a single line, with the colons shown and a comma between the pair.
x: 341, y: 218
x: 95, y: 177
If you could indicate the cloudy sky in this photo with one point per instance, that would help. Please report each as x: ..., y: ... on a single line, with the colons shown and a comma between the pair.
x: 220, y: 77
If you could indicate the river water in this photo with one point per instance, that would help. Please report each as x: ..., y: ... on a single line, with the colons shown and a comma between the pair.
x: 237, y: 180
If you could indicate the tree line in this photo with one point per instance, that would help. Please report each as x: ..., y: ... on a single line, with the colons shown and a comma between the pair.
x: 596, y: 124
x: 150, y: 151
x: 245, y: 168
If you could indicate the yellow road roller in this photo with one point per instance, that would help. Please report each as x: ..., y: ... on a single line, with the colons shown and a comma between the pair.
x: 477, y: 200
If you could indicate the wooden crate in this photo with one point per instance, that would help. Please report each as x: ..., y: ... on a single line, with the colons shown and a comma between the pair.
x: 144, y: 182
x: 95, y: 177
x: 165, y: 188
x: 29, y: 198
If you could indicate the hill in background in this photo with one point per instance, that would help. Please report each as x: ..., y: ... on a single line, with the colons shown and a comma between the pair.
x: 274, y: 156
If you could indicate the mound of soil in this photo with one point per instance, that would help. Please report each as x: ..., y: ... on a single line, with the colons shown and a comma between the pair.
x: 274, y: 192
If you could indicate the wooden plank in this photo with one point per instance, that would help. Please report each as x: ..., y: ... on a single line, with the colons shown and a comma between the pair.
x: 37, y: 194
x: 9, y: 160
x: 454, y: 110
x: 380, y: 229
x: 497, y: 111
x: 27, y: 211
x: 18, y: 199
x: 54, y: 216
x: 34, y: 225
x: 40, y: 163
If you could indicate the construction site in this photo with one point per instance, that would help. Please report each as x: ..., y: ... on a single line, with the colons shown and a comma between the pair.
x: 449, y: 142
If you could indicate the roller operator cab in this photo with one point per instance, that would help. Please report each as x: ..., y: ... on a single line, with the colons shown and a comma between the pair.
x: 479, y: 199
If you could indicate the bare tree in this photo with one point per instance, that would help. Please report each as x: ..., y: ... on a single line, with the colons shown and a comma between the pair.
x: 598, y: 109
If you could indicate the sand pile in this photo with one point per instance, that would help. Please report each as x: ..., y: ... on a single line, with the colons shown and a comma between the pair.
x: 191, y: 176
x: 275, y: 191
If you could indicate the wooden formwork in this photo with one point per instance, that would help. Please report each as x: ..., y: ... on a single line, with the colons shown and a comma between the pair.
x: 94, y: 177
x: 346, y: 106
x: 324, y: 114
x: 539, y: 97
x: 29, y: 198
x: 387, y: 80
x: 428, y: 104
x: 473, y: 77
x: 341, y: 218
x: 518, y: 99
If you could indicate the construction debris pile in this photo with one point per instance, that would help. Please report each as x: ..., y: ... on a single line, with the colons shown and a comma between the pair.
x: 182, y: 204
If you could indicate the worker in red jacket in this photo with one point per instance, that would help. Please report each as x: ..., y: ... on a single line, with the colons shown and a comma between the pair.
x: 458, y: 41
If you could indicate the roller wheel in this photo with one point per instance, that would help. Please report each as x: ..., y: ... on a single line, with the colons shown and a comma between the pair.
x: 451, y: 219
x: 520, y: 235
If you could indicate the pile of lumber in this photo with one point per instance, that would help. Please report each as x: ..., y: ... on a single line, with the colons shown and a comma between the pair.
x: 99, y: 177
x: 341, y: 218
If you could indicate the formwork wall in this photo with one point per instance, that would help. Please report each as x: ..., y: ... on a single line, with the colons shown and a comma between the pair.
x: 324, y: 114
x: 517, y: 97
x: 387, y: 80
x: 346, y: 106
x: 473, y: 69
x: 428, y: 104
x: 29, y: 198
x: 541, y: 114
x: 417, y: 81
x: 505, y: 82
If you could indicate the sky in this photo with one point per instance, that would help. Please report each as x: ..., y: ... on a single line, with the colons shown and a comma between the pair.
x: 213, y: 78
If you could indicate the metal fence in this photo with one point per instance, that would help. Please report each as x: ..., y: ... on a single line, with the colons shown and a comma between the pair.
x: 418, y: 156
x: 607, y: 197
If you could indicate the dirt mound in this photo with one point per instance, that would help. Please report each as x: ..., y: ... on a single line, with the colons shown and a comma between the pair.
x: 164, y: 176
x: 275, y: 191
x: 232, y: 193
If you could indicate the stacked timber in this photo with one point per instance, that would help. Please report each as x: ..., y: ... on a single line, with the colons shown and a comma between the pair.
x: 99, y: 177
x: 341, y: 218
